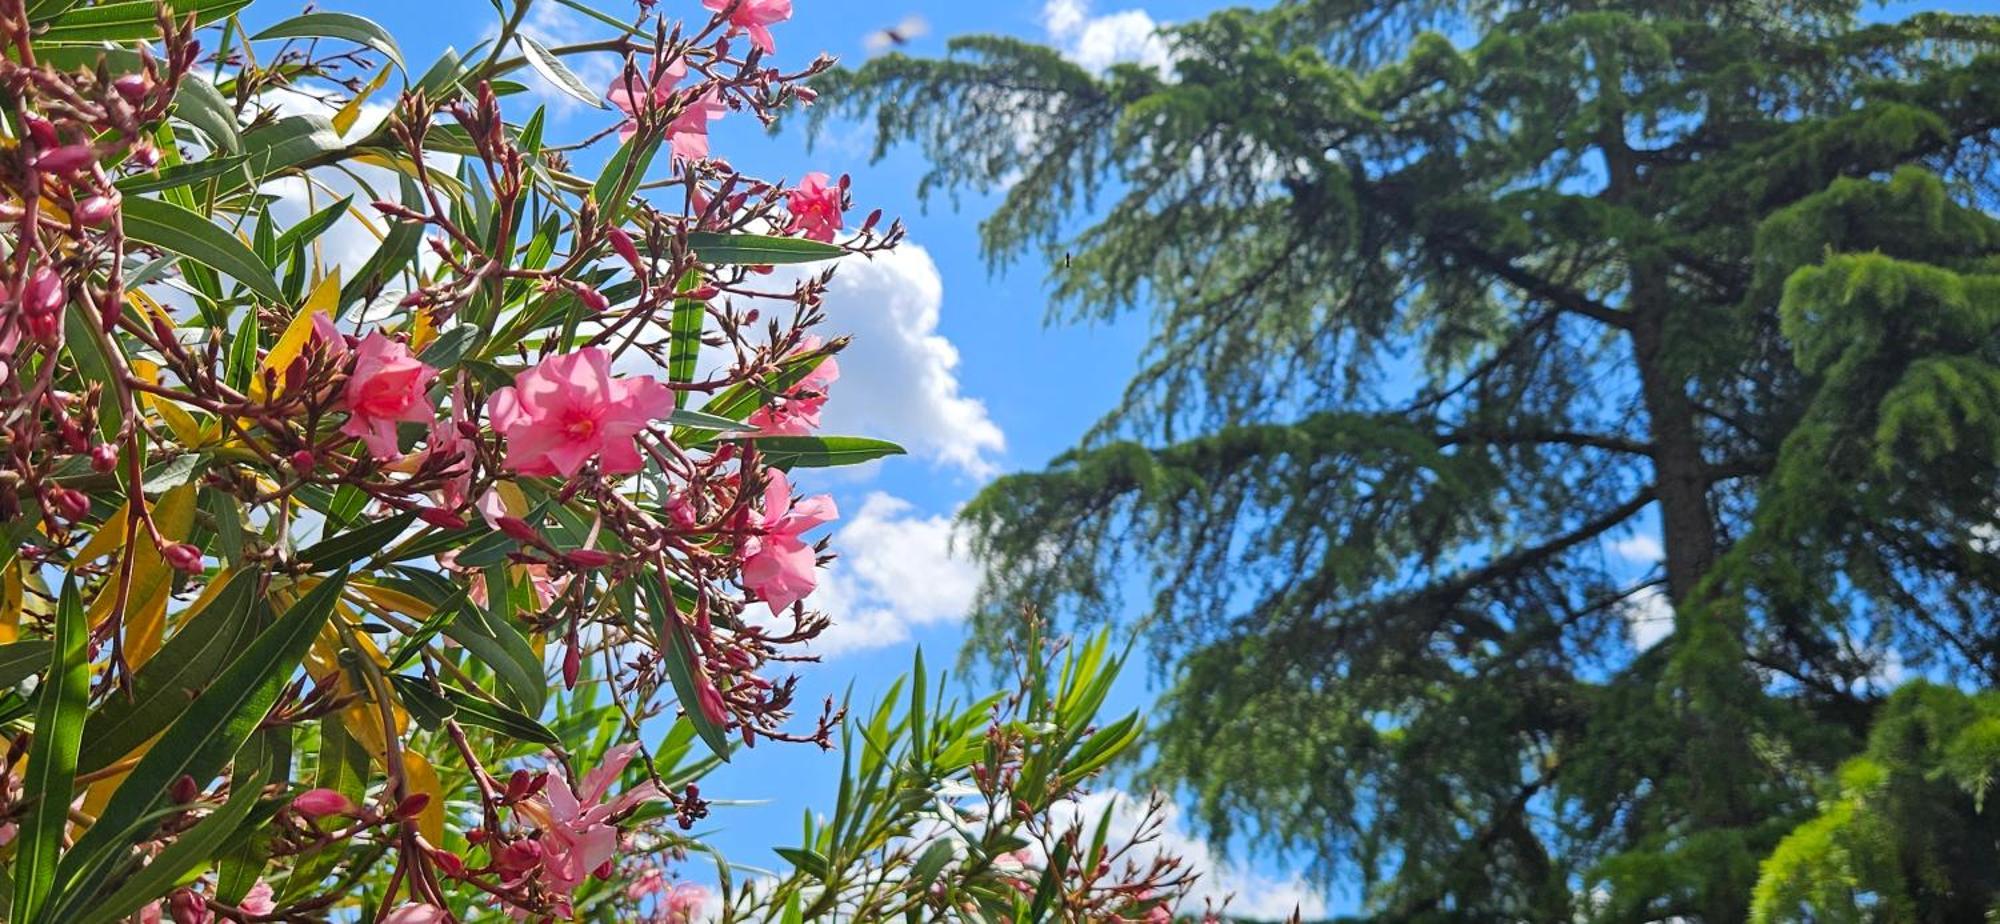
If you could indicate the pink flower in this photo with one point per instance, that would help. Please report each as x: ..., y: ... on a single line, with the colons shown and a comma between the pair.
x: 754, y: 17
x: 319, y: 803
x: 815, y: 207
x: 646, y: 99
x: 796, y: 412
x: 683, y: 903
x: 688, y: 132
x: 416, y: 914
x: 777, y: 564
x: 447, y: 440
x: 576, y: 834
x: 386, y: 388
x: 559, y: 414
x: 259, y: 900
x: 650, y: 881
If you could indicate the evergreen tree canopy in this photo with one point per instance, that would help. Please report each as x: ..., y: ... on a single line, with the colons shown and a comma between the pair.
x: 1445, y: 299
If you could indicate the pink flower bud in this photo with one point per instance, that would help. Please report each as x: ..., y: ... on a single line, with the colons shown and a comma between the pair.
x: 413, y: 805
x: 416, y: 914
x: 572, y: 666
x: 43, y: 293
x: 184, y: 557
x: 806, y: 95
x: 517, y: 529
x: 145, y: 155
x: 319, y: 803
x: 519, y: 856
x: 709, y: 699
x: 42, y: 132
x: 589, y: 558
x: 304, y: 461
x: 184, y: 790
x: 66, y: 159
x: 592, y: 299
x: 73, y: 505
x: 442, y: 519
x: 98, y: 209
x: 103, y: 458
x: 622, y: 243
x: 133, y: 87
x: 185, y: 907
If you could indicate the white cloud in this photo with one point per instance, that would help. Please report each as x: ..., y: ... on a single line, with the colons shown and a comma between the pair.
x: 1641, y: 548
x: 897, y: 571
x: 899, y: 378
x: 1649, y: 616
x: 1251, y: 894
x: 1097, y: 42
x: 554, y: 26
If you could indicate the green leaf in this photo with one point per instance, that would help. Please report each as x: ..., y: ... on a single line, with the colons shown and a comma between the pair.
x: 556, y: 73
x: 685, y: 328
x: 312, y: 226
x: 452, y: 346
x: 698, y: 420
x: 134, y: 20
x: 678, y: 656
x: 178, y: 175
x: 341, y: 26
x: 199, y: 104
x: 496, y: 644
x: 806, y: 859
x: 822, y: 451
x: 162, y: 689
x: 396, y: 250
x: 243, y: 353
x: 51, y: 773
x: 470, y: 709
x: 758, y: 249
x: 177, y: 230
x: 289, y: 142
x: 199, y: 743
x: 335, y: 552
x: 614, y: 187
x: 20, y: 659
x: 189, y: 850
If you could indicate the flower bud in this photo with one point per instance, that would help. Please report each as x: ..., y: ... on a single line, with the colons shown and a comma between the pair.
x: 303, y: 461
x: 184, y: 790
x: 622, y: 244
x: 709, y: 699
x: 73, y: 505
x: 592, y: 299
x: 103, y: 457
x: 589, y: 558
x: 133, y: 87
x: 145, y: 155
x: 185, y: 907
x: 519, y: 856
x: 66, y: 159
x: 442, y: 519
x: 572, y: 666
x: 98, y: 209
x: 319, y: 803
x: 412, y: 805
x: 517, y: 529
x: 43, y: 293
x: 42, y: 132
x: 518, y: 785
x: 184, y: 557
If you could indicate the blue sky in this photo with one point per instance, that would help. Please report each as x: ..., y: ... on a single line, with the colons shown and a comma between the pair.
x: 951, y: 360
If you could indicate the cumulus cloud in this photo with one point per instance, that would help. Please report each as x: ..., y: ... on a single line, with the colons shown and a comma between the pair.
x: 897, y: 571
x: 1097, y: 42
x: 899, y: 378
x: 1250, y: 894
x: 1640, y: 548
x: 1649, y: 617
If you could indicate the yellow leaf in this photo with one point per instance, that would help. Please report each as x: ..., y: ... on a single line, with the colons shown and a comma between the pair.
x: 420, y: 778
x: 152, y: 579
x: 344, y: 119
x: 395, y: 601
x: 297, y: 334
x: 10, y: 603
x: 109, y: 538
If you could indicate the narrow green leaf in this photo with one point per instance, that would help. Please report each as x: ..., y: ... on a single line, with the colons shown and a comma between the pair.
x: 199, y: 104
x: 20, y: 659
x: 339, y: 551
x: 177, y: 230
x: 204, y: 738
x: 243, y: 353
x: 134, y: 20
x: 758, y: 249
x: 613, y: 190
x: 51, y: 774
x: 186, y: 174
x: 341, y: 26
x: 189, y: 850
x: 556, y: 73
x: 678, y: 656
x: 822, y: 451
x: 497, y: 644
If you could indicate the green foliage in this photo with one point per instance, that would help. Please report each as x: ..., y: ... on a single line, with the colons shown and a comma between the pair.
x: 1440, y: 315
